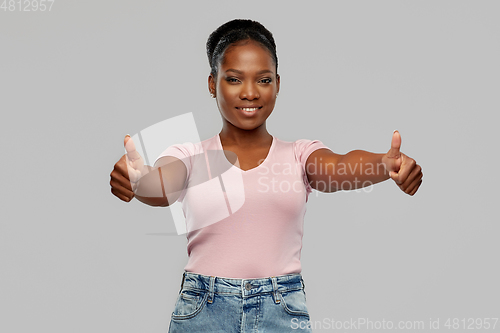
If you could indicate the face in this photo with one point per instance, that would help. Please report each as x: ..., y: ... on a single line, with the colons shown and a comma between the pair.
x: 246, y: 85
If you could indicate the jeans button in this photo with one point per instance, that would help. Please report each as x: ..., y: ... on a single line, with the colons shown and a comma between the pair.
x: 248, y: 286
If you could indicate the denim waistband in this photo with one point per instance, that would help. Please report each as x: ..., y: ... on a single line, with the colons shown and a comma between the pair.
x: 242, y: 287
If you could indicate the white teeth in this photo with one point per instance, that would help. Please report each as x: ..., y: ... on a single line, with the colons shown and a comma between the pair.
x: 248, y: 109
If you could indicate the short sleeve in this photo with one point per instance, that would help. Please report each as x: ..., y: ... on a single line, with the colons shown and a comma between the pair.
x: 184, y: 152
x: 304, y: 148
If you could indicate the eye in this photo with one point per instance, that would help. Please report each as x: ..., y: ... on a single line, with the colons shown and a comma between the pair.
x: 232, y: 80
x: 266, y: 80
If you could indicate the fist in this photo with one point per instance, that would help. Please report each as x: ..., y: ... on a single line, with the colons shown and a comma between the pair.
x: 402, y: 169
x: 127, y: 172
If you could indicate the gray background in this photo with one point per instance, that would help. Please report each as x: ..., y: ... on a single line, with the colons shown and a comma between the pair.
x: 75, y: 80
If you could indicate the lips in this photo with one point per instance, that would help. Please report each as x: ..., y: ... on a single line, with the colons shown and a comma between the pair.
x: 249, y: 108
x: 249, y: 111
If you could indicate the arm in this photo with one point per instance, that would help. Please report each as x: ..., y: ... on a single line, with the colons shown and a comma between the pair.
x: 330, y: 172
x: 160, y: 185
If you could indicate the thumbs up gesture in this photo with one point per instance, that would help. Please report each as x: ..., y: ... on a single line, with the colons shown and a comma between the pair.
x: 404, y: 170
x: 127, y: 172
x: 135, y: 162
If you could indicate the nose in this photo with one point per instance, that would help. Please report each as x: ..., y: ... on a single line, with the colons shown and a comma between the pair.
x: 249, y: 91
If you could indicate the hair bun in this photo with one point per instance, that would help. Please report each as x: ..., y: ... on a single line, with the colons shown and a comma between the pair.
x: 233, y: 31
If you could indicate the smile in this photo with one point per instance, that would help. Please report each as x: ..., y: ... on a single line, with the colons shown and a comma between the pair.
x: 249, y: 109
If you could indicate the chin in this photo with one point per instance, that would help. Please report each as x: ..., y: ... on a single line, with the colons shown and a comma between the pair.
x: 248, y: 127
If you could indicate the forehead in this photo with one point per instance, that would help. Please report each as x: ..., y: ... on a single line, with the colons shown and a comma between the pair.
x: 247, y: 54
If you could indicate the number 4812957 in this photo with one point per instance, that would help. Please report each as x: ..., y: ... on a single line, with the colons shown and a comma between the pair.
x: 27, y: 5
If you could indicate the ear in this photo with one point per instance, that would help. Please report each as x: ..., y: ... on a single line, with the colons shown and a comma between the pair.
x: 211, y: 84
x: 277, y: 83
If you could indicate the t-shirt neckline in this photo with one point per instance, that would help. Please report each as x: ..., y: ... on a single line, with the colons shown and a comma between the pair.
x: 271, y: 149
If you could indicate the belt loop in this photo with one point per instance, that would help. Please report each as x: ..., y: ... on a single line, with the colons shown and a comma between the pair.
x: 303, y: 286
x: 275, y: 289
x: 182, y: 283
x: 211, y: 290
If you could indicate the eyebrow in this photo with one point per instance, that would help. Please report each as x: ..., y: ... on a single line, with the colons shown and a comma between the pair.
x: 259, y: 72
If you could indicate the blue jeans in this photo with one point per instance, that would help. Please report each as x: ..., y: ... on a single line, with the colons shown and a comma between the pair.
x: 213, y: 304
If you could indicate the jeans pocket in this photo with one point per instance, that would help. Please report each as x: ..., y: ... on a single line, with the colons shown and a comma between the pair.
x: 189, y: 303
x: 294, y: 302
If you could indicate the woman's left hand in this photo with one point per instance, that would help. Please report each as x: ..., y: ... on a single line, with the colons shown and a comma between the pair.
x: 403, y: 169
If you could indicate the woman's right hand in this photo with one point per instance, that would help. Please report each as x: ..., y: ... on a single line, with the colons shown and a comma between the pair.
x: 127, y: 172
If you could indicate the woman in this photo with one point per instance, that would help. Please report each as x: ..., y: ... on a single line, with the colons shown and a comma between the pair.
x: 243, y: 272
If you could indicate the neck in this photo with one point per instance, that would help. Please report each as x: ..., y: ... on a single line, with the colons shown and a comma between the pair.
x: 232, y: 135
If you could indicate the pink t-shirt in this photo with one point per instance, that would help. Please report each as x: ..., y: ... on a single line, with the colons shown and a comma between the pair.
x: 252, y: 220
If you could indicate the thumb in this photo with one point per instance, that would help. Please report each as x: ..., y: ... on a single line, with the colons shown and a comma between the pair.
x: 393, y: 156
x: 395, y: 145
x: 134, y: 161
x: 129, y: 144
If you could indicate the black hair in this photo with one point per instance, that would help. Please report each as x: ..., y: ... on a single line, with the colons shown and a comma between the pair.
x: 232, y: 32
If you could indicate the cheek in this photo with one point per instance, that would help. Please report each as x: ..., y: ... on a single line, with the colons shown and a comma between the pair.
x: 223, y: 100
x: 225, y: 103
x: 228, y: 96
x: 269, y: 95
